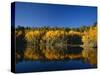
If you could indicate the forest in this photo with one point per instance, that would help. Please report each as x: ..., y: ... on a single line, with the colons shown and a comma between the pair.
x: 52, y: 43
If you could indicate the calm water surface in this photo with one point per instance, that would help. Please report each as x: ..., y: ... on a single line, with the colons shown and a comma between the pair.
x: 79, y: 58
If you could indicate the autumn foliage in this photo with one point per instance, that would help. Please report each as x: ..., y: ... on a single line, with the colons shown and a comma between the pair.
x: 52, y: 43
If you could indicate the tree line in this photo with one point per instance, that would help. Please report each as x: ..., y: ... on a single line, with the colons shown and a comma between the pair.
x: 56, y: 36
x: 53, y: 43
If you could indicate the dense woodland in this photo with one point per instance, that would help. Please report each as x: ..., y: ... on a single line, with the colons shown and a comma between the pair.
x: 54, y: 39
x: 85, y: 35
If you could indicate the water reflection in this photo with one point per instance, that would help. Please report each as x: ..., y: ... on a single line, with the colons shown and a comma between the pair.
x: 31, y: 53
x: 90, y: 55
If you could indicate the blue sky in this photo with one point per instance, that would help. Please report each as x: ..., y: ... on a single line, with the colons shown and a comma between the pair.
x: 37, y: 15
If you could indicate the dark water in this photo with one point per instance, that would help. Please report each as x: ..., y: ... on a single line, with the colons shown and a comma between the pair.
x: 77, y: 58
x: 32, y: 66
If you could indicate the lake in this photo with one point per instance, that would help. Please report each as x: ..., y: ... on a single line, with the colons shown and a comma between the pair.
x: 33, y: 59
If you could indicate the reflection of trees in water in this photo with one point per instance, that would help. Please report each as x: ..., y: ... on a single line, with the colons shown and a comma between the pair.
x: 90, y: 55
x: 33, y: 53
x: 57, y: 53
x: 74, y: 52
x: 30, y: 53
x: 20, y: 44
x: 49, y: 53
x: 53, y: 53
